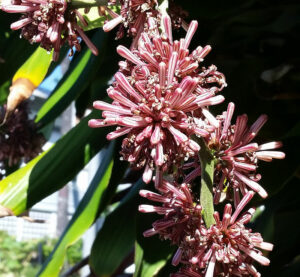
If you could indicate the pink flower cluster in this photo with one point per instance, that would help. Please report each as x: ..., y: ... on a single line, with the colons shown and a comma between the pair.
x: 237, y: 156
x: 137, y: 16
x: 227, y: 247
x: 133, y: 16
x: 160, y: 97
x: 48, y: 22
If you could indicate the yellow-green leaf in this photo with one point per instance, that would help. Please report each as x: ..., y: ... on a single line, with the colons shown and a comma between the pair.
x: 35, y: 68
x: 82, y: 69
x: 83, y: 218
x: 53, y: 169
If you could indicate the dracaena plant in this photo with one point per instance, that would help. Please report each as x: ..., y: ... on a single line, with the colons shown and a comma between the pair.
x: 203, y: 166
x: 161, y: 97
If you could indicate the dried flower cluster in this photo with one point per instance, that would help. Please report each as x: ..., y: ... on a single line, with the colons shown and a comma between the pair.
x: 19, y: 140
x: 48, y: 22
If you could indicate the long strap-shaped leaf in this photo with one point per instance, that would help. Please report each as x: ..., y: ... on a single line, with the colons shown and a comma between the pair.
x: 151, y: 254
x: 116, y: 238
x: 27, y: 78
x: 52, y: 170
x: 82, y: 69
x: 83, y: 218
x: 35, y: 68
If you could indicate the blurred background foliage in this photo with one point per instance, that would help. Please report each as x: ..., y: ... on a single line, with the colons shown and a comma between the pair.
x: 256, y: 45
x: 23, y: 258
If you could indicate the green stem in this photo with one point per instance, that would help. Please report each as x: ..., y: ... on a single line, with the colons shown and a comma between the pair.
x: 206, y: 190
x: 77, y: 4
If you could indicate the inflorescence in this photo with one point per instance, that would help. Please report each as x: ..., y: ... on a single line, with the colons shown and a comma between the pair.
x: 19, y: 139
x: 161, y: 97
x: 50, y: 23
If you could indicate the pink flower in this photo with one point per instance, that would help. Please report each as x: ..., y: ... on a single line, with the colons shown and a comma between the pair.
x: 138, y: 16
x: 178, y: 209
x: 48, y: 22
x: 227, y: 247
x: 133, y: 16
x: 237, y: 156
x: 159, y: 97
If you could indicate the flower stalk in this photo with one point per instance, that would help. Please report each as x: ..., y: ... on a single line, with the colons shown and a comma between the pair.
x: 77, y: 4
x: 206, y: 188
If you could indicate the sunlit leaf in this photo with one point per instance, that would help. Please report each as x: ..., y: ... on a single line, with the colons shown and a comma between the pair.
x: 35, y: 68
x: 82, y: 69
x: 52, y: 170
x: 27, y: 78
x: 93, y: 18
x: 83, y: 218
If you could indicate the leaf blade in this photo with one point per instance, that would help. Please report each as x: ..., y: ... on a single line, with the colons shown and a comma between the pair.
x: 116, y: 238
x: 83, y: 218
x: 52, y: 170
x: 76, y: 79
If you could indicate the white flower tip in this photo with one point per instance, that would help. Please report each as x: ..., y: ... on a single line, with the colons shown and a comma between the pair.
x: 281, y: 155
x: 145, y: 208
x: 262, y: 193
x: 194, y: 260
x: 96, y: 104
x: 143, y: 193
x: 110, y: 136
x: 231, y: 105
x: 194, y: 23
x: 250, y: 194
x: 264, y: 261
x: 149, y: 233
x: 93, y: 123
x: 108, y: 26
x: 147, y: 175
x: 266, y: 246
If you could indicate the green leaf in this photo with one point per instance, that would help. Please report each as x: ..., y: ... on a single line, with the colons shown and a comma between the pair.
x: 36, y: 67
x: 83, y: 218
x: 13, y: 189
x: 53, y: 169
x: 116, y: 238
x: 4, y: 91
x: 151, y: 254
x: 82, y: 69
x: 93, y: 18
x: 207, y: 177
x: 13, y: 52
